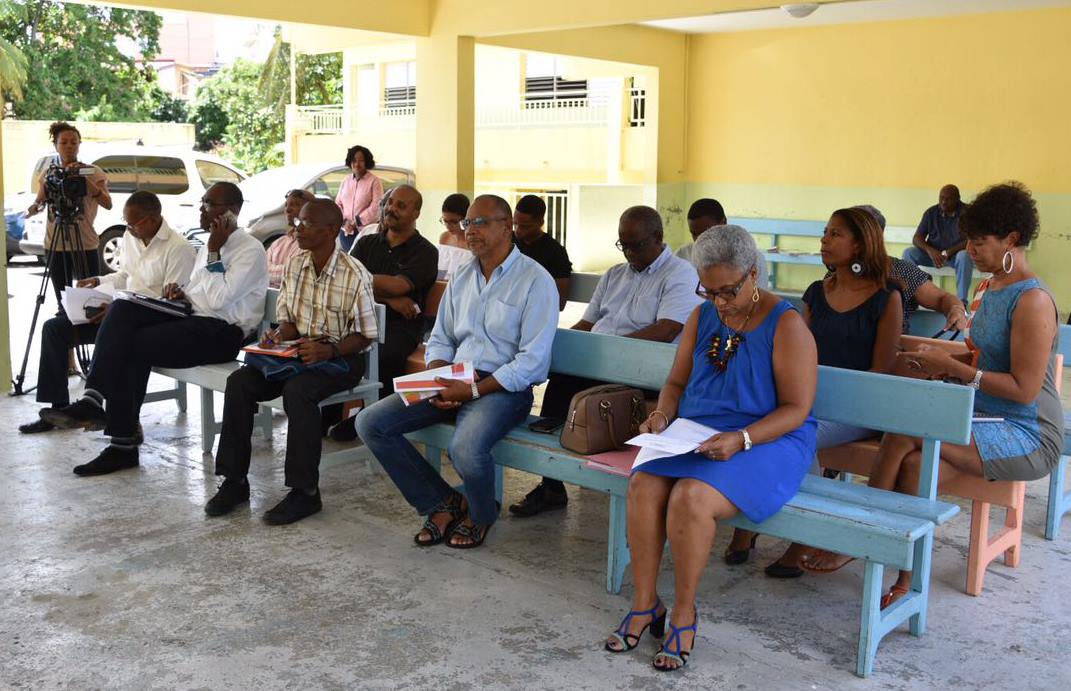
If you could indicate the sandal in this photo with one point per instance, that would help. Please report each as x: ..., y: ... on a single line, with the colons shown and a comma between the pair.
x: 893, y: 596
x: 679, y: 656
x: 453, y: 505
x: 473, y: 531
x: 805, y: 562
x: 624, y: 638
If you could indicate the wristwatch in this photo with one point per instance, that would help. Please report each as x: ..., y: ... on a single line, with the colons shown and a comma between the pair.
x: 976, y: 383
x: 213, y: 257
x: 747, y: 439
x: 944, y: 253
x: 475, y: 391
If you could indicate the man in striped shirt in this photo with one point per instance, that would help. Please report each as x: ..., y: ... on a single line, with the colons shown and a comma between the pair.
x: 326, y: 301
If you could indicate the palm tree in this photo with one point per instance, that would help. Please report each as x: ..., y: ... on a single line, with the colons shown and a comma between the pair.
x: 13, y: 65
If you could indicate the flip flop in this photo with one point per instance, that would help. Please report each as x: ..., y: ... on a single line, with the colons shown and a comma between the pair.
x: 805, y: 565
x: 894, y: 595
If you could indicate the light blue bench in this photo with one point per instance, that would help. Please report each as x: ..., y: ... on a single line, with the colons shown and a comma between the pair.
x: 1059, y: 497
x: 883, y: 528
x: 212, y: 378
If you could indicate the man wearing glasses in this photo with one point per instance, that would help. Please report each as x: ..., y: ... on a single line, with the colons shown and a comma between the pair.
x: 225, y: 295
x: 152, y: 255
x: 648, y: 297
x: 499, y: 313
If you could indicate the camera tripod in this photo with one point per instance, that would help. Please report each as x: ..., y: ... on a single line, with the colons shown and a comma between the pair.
x: 65, y: 233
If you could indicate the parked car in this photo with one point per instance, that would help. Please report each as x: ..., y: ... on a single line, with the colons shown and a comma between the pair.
x: 262, y: 212
x: 15, y: 206
x: 178, y: 175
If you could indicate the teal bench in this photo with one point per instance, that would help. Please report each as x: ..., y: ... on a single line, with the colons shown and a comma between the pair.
x: 212, y: 378
x: 883, y: 528
x: 1059, y: 497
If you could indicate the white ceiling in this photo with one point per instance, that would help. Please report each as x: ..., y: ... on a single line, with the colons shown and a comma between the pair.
x: 846, y: 12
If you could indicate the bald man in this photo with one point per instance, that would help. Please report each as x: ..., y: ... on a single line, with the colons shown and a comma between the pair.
x: 326, y: 301
x: 938, y: 240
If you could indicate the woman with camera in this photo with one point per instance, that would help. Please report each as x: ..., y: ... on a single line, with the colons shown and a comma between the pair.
x: 72, y: 251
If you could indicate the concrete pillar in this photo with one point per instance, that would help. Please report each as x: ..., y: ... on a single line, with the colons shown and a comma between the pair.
x: 445, y: 120
x: 5, y: 324
x: 615, y: 125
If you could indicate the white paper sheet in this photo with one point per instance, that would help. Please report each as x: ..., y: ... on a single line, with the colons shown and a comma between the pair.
x: 75, y: 300
x: 682, y: 436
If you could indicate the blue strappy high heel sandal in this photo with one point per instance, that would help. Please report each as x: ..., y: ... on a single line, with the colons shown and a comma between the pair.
x: 627, y: 640
x: 680, y: 656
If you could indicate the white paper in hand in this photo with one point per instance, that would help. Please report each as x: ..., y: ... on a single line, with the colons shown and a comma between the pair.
x: 682, y: 436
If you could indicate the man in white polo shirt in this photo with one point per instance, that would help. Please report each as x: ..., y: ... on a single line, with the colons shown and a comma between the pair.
x: 649, y: 297
x: 152, y: 256
x: 226, y: 295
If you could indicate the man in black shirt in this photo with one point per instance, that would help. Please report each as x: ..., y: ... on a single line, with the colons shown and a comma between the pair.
x: 534, y: 242
x: 403, y: 265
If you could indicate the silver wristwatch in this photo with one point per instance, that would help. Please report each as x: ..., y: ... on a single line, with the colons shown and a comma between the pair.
x: 475, y: 391
x: 213, y: 257
x: 747, y: 439
x: 976, y: 383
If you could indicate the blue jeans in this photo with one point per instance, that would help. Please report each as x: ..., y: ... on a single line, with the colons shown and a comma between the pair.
x: 961, y: 261
x: 480, y: 424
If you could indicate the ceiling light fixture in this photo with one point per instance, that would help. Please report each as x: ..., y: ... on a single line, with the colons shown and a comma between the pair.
x: 800, y: 10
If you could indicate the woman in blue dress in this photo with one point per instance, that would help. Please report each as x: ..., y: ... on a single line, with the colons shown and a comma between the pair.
x: 747, y: 367
x: 1010, y: 364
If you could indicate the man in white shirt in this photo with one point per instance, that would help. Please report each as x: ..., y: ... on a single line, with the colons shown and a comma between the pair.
x: 226, y: 295
x: 152, y: 256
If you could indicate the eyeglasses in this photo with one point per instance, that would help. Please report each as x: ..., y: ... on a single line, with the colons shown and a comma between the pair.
x: 633, y: 246
x: 480, y: 222
x: 135, y: 224
x: 724, y: 294
x: 208, y: 203
x: 451, y: 223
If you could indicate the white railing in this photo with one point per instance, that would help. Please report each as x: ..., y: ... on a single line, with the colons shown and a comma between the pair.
x: 581, y: 112
x: 320, y: 119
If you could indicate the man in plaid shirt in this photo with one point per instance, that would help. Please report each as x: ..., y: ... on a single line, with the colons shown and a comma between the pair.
x: 326, y: 301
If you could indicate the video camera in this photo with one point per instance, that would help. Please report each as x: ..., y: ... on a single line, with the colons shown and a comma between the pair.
x: 66, y: 189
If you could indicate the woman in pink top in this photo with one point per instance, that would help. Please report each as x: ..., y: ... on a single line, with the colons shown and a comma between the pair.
x: 281, y: 250
x: 359, y: 194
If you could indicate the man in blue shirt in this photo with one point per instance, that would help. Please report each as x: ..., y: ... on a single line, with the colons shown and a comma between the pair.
x: 938, y: 242
x: 648, y: 297
x: 500, y: 312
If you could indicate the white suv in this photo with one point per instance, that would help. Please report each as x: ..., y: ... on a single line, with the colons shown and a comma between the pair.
x: 179, y: 176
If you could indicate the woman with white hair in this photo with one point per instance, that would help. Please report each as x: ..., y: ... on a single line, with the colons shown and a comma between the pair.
x: 746, y: 366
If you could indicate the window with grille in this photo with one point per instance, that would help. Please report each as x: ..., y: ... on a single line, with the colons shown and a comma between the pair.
x: 399, y: 90
x: 637, y: 116
x: 544, y: 86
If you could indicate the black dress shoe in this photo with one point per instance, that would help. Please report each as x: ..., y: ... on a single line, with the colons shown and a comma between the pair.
x: 779, y: 570
x: 293, y: 508
x: 80, y: 414
x: 344, y: 431
x: 110, y: 460
x: 540, y: 499
x: 735, y: 557
x: 36, y: 427
x: 229, y: 495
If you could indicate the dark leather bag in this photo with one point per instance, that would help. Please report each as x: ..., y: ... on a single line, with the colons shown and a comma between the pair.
x: 602, y: 418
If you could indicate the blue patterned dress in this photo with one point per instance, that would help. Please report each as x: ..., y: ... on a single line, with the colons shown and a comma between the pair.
x: 1028, y: 443
x: 759, y: 481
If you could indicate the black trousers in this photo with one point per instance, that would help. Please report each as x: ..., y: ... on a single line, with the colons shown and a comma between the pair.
x: 246, y: 387
x: 65, y: 269
x: 133, y: 339
x: 58, y: 335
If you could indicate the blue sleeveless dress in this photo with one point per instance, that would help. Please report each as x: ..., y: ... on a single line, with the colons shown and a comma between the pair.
x: 758, y: 482
x: 1029, y: 441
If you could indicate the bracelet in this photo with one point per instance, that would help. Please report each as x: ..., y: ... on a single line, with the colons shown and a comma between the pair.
x: 664, y: 416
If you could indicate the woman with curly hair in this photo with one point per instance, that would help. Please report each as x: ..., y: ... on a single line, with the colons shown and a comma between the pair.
x: 1010, y: 363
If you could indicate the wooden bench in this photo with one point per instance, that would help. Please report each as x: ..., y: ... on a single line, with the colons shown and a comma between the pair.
x: 1059, y: 497
x: 858, y: 458
x: 212, y: 378
x: 883, y: 528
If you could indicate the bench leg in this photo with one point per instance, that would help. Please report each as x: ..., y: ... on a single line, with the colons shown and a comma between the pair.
x: 263, y: 420
x: 869, y: 629
x: 1013, y: 526
x: 978, y: 556
x: 920, y: 583
x: 1059, y: 502
x: 180, y: 395
x: 208, y: 420
x: 617, y: 554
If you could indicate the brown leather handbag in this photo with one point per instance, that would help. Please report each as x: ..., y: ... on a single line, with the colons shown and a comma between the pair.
x: 602, y: 418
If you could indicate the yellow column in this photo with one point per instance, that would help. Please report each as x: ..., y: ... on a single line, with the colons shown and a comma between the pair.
x: 445, y: 121
x: 5, y: 328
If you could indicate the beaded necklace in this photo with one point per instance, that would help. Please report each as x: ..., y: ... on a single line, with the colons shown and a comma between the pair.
x: 732, y: 343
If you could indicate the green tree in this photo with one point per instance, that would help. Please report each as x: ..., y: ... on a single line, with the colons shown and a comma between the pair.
x: 78, y: 65
x: 232, y: 116
x: 12, y: 69
x: 317, y: 78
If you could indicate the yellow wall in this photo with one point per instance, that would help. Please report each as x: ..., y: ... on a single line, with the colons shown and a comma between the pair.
x: 794, y: 123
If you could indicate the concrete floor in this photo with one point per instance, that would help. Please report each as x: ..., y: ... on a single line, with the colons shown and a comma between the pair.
x: 121, y: 582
